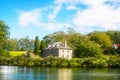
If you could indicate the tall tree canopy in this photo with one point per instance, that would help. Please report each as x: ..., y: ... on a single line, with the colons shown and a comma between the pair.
x: 115, y: 36
x: 42, y: 47
x: 26, y: 43
x: 102, y: 39
x: 55, y: 37
x: 37, y: 46
x: 86, y: 48
x: 4, y: 34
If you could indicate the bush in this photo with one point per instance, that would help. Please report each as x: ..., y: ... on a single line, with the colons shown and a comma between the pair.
x: 111, y: 61
x: 4, y: 53
x: 114, y: 61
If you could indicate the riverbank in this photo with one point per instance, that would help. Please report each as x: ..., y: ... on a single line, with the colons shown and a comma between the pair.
x: 112, y: 61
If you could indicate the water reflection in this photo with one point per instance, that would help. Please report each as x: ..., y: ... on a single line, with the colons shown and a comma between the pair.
x: 5, y: 72
x: 96, y: 74
x: 64, y: 74
x: 24, y: 73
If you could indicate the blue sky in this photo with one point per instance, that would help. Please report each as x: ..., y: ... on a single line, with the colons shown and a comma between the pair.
x: 42, y: 17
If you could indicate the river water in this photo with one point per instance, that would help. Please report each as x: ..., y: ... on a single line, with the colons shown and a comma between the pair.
x: 38, y: 73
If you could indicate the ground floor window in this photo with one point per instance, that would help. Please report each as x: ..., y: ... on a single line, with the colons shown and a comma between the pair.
x: 63, y: 56
x: 67, y: 56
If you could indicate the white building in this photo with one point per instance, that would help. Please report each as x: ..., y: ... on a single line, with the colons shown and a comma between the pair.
x: 58, y: 49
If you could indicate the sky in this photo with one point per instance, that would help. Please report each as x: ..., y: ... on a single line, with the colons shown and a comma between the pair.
x: 43, y: 17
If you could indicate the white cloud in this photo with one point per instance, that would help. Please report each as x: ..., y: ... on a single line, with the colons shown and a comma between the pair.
x: 56, y: 10
x: 34, y: 17
x: 98, y: 14
x: 67, y: 1
x: 52, y: 26
x: 27, y: 17
x: 71, y: 7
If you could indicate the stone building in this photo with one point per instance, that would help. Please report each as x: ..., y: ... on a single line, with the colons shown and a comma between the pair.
x: 58, y: 49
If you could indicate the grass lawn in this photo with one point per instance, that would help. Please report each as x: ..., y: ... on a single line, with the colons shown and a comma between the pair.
x: 17, y: 53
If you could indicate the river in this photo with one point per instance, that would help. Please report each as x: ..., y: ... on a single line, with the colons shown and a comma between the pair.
x: 37, y: 73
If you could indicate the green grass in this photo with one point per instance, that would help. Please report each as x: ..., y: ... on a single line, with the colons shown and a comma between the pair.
x: 17, y: 53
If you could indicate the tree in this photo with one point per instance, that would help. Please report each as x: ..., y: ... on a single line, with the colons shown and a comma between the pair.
x: 59, y: 36
x: 37, y: 46
x: 42, y: 46
x: 21, y: 44
x: 12, y: 44
x: 4, y: 34
x: 103, y: 40
x: 87, y: 48
x: 26, y: 43
x: 116, y: 37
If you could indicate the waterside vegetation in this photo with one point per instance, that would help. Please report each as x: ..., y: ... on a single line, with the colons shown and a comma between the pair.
x: 93, y: 62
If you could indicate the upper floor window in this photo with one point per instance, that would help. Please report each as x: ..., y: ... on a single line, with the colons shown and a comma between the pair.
x: 63, y: 51
x: 67, y: 51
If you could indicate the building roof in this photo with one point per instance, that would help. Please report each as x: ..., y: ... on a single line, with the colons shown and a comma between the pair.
x: 116, y: 46
x: 58, y: 45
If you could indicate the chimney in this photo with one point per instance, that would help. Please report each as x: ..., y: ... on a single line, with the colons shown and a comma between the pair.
x: 65, y: 44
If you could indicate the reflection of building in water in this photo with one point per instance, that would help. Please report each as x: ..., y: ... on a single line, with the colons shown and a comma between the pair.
x: 64, y: 74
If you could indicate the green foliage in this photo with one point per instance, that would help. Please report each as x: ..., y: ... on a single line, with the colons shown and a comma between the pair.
x: 12, y: 44
x: 4, y: 53
x: 37, y: 46
x: 4, y: 33
x: 93, y: 62
x: 59, y: 36
x: 114, y: 36
x: 25, y: 44
x: 102, y: 39
x: 114, y: 61
x: 87, y: 48
x: 42, y: 46
x: 22, y: 44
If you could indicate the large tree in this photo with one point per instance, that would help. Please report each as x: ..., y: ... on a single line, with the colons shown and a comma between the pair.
x: 103, y: 40
x: 86, y: 48
x: 59, y: 36
x: 42, y: 46
x: 114, y: 36
x: 37, y: 46
x: 26, y: 43
x: 12, y: 44
x: 4, y: 34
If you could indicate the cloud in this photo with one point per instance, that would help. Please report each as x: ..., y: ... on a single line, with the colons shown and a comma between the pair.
x: 56, y: 10
x: 35, y: 17
x: 68, y: 1
x: 102, y: 14
x: 52, y: 26
x: 28, y: 17
x: 98, y: 14
x: 71, y: 7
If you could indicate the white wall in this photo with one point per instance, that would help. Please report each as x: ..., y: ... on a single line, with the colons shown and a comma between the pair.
x: 65, y: 53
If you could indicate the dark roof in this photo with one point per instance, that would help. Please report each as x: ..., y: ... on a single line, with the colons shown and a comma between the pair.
x: 58, y: 45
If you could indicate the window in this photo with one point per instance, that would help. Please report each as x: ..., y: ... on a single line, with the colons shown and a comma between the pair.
x: 67, y: 51
x: 67, y: 56
x: 63, y: 56
x: 63, y: 51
